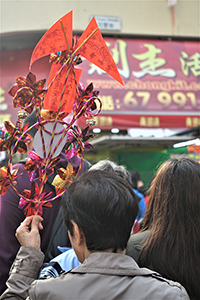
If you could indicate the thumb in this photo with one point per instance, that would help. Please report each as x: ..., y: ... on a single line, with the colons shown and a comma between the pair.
x: 36, y: 223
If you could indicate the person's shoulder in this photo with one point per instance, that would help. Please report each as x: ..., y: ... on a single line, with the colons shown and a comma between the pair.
x: 68, y: 253
x: 135, y: 244
x: 68, y: 260
x: 168, y: 288
x: 20, y: 166
x: 59, y: 287
x: 139, y: 237
x: 155, y: 286
x: 150, y: 284
x: 138, y: 193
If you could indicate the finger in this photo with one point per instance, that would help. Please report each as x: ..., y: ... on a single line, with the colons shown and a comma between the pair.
x: 40, y: 226
x: 36, y: 222
x: 27, y: 221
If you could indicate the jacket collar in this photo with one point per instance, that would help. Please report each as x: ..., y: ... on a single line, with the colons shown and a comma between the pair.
x: 111, y: 264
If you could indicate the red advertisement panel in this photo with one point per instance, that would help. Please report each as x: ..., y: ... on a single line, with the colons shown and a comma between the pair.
x: 161, y: 83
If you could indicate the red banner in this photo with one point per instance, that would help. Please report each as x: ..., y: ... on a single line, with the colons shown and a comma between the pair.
x: 161, y: 83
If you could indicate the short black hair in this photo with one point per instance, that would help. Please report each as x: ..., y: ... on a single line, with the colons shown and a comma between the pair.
x: 135, y: 177
x: 104, y: 207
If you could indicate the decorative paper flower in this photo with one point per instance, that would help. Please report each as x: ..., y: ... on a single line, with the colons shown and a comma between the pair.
x: 37, y: 168
x: 27, y: 92
x: 36, y: 200
x: 10, y: 134
x: 5, y: 180
x: 84, y: 104
x: 63, y: 179
x: 78, y: 141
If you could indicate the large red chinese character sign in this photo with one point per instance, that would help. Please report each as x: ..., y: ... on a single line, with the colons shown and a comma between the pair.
x: 161, y: 85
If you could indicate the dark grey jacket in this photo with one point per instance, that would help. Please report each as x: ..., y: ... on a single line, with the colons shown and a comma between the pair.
x: 103, y: 275
x: 135, y: 244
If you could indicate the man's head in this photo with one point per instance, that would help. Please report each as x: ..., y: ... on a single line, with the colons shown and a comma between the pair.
x: 111, y: 166
x: 103, y: 206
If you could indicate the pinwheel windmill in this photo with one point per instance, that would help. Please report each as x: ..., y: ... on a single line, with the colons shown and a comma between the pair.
x: 64, y: 94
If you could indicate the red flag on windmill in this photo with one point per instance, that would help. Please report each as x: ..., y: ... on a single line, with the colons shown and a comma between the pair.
x: 90, y: 45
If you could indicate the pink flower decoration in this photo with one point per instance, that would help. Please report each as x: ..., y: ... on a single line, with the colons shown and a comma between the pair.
x: 78, y: 141
x: 36, y: 200
x: 36, y: 167
x: 27, y: 92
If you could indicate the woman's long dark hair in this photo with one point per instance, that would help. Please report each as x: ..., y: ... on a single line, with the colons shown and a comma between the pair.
x: 173, y: 218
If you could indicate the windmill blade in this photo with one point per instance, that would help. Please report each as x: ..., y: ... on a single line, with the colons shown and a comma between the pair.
x: 54, y: 39
x: 54, y: 93
x: 92, y: 46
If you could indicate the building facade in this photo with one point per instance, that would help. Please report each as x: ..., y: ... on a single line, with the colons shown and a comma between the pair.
x: 156, y: 49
